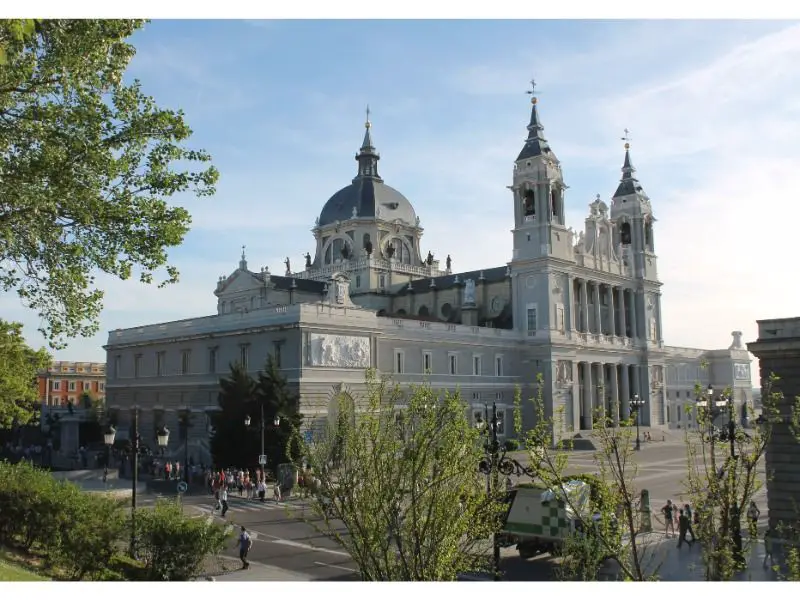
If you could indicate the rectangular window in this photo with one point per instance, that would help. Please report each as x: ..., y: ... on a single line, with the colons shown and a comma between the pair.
x: 399, y: 361
x: 476, y: 396
x: 358, y: 281
x: 72, y: 399
x: 498, y: 366
x: 137, y: 365
x: 161, y: 363
x: 382, y: 281
x: 476, y: 365
x: 56, y: 386
x: 186, y: 359
x: 560, y: 320
x: 212, y: 360
x: 87, y: 385
x: 498, y: 397
x: 531, y: 319
x: 276, y: 353
x: 244, y: 352
x: 117, y: 363
x: 71, y: 386
x: 452, y: 360
x: 427, y: 362
x: 101, y: 387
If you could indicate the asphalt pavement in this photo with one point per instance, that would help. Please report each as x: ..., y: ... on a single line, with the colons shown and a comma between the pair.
x: 287, y: 546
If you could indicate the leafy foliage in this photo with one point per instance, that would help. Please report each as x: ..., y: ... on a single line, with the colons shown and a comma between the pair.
x: 405, y: 484
x: 234, y: 444
x: 172, y: 546
x: 721, y: 487
x: 88, y: 164
x: 19, y: 364
x: 608, y: 530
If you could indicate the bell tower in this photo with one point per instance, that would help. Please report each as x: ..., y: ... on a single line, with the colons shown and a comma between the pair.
x: 538, y: 191
x: 540, y: 233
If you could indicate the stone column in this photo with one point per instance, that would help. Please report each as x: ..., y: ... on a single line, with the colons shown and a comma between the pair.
x: 626, y: 392
x: 600, y: 391
x: 598, y: 323
x: 615, y: 403
x: 586, y: 419
x: 576, y: 396
x: 658, y: 318
x: 623, y: 318
x: 570, y: 304
x: 611, y: 316
x: 584, y: 307
x: 634, y: 323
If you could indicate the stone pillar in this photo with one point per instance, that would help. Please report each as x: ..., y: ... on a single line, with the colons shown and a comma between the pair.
x: 599, y: 389
x: 634, y: 323
x: 586, y: 420
x: 623, y: 318
x: 576, y: 396
x: 570, y: 324
x: 584, y: 307
x: 658, y: 318
x: 626, y: 391
x: 645, y: 524
x: 615, y: 403
x: 612, y: 318
x: 598, y: 323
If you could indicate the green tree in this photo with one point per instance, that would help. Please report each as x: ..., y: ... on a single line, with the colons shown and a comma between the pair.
x: 721, y: 486
x: 406, y: 487
x: 88, y: 165
x: 235, y: 444
x: 19, y: 366
x: 610, y: 528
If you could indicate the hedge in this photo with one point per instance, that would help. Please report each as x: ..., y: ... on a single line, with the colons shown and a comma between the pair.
x: 80, y: 534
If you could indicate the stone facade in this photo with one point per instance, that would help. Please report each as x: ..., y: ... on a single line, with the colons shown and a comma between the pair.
x: 581, y: 309
x: 778, y: 351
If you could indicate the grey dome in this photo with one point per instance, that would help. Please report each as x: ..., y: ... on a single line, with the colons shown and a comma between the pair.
x: 367, y: 194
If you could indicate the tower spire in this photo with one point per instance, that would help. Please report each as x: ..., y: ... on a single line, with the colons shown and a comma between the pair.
x: 628, y: 184
x: 243, y: 261
x: 536, y: 144
x: 367, y: 156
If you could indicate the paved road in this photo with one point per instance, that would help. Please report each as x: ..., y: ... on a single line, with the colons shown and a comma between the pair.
x: 283, y: 538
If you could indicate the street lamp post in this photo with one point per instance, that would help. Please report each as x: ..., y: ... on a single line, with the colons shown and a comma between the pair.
x: 186, y: 424
x: 637, y: 403
x: 276, y: 422
x: 494, y: 463
x: 108, y: 437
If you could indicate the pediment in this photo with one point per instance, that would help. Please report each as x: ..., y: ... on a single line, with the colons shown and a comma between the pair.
x: 240, y: 281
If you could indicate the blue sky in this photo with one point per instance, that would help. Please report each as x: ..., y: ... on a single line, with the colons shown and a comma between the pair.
x: 712, y: 106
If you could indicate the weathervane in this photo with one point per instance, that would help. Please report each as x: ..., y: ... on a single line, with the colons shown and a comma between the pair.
x: 367, y: 124
x: 626, y: 138
x: 243, y: 249
x: 532, y: 91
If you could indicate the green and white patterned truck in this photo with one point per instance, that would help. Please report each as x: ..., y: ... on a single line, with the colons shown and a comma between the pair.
x: 540, y: 520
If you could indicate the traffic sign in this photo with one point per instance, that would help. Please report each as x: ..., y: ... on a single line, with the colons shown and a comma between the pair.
x: 262, y: 460
x: 182, y: 487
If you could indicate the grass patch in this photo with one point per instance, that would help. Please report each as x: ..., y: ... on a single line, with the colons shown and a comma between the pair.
x: 9, y: 572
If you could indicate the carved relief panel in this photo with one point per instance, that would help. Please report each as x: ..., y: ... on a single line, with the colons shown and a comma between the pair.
x: 342, y: 351
x: 564, y: 372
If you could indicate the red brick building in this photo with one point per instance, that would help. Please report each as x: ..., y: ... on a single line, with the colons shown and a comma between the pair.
x: 67, y: 381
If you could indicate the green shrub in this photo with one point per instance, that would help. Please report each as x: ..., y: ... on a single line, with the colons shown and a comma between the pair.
x: 127, y: 568
x: 512, y: 445
x: 173, y: 546
x: 90, y: 531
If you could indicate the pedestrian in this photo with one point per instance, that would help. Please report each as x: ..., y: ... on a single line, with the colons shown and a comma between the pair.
x: 683, y: 527
x: 223, y: 498
x: 245, y: 543
x: 669, y: 512
x: 769, y: 542
x: 688, y: 511
x: 262, y: 490
x: 276, y: 492
x: 752, y: 515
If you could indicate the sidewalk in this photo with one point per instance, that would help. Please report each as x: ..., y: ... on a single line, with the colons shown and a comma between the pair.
x: 226, y: 568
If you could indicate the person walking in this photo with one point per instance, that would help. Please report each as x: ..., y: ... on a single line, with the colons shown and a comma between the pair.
x: 683, y: 527
x: 245, y: 543
x: 752, y: 516
x: 223, y: 498
x: 687, y: 510
x: 668, y: 510
x: 769, y: 544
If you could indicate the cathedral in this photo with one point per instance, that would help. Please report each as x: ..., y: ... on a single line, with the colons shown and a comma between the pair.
x: 581, y: 309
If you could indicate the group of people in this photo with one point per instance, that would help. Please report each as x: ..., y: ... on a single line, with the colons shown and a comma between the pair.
x: 251, y: 485
x: 686, y: 517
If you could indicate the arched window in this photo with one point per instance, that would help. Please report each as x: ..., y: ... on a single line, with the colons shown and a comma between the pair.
x: 554, y: 202
x: 446, y: 310
x: 648, y: 235
x: 423, y: 311
x: 529, y: 203
x: 401, y: 312
x: 223, y: 305
x: 402, y: 253
x: 625, y: 233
